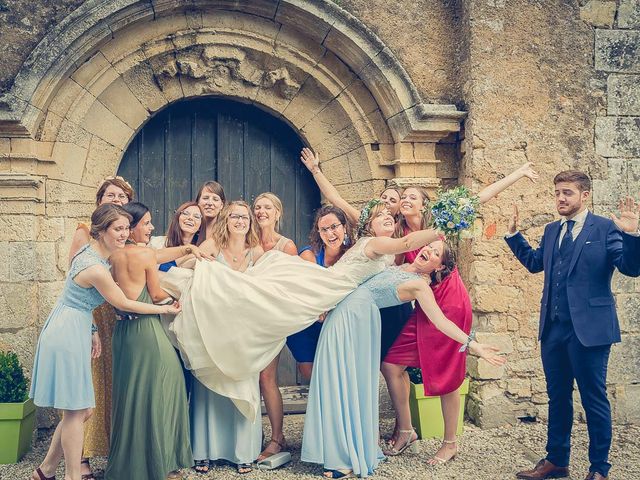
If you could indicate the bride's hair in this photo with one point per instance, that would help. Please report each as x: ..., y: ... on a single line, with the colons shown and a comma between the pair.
x: 220, y: 233
x: 365, y: 229
x: 104, y: 216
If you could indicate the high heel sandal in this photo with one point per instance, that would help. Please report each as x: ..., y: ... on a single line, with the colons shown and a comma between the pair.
x: 337, y: 474
x: 411, y: 444
x: 266, y: 453
x: 202, y: 466
x: 87, y: 476
x: 436, y: 460
x: 40, y: 476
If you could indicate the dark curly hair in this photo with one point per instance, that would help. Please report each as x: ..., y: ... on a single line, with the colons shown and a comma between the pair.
x: 314, y: 236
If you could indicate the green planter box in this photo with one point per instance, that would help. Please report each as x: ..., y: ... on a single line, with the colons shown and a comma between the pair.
x: 16, y: 428
x: 426, y: 414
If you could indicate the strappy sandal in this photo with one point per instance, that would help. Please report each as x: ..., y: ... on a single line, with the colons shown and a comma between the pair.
x: 40, y: 475
x: 411, y: 444
x: 266, y: 453
x: 174, y: 475
x: 202, y: 466
x: 87, y: 476
x: 436, y: 460
x: 337, y: 473
x: 244, y: 468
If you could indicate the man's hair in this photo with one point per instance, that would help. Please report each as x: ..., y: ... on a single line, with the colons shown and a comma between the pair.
x: 574, y: 176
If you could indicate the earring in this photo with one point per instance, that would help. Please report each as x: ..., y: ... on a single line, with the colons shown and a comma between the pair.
x: 345, y: 242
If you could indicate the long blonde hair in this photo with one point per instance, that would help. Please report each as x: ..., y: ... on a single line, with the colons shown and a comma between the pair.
x: 220, y: 233
x: 277, y: 203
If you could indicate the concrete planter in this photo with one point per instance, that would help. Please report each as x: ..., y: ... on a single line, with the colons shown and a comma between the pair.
x: 426, y: 414
x: 16, y: 428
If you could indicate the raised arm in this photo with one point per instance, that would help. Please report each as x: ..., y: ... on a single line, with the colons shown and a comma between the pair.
x: 100, y: 278
x: 312, y: 162
x: 624, y: 248
x: 532, y: 259
x: 378, y: 246
x: 495, y: 188
x: 420, y: 291
x: 80, y: 238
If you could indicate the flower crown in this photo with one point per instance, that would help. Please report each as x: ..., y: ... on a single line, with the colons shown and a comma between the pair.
x: 364, y: 214
x: 113, y: 177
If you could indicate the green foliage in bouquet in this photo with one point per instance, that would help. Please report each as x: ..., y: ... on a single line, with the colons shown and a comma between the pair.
x: 454, y: 210
x: 13, y: 383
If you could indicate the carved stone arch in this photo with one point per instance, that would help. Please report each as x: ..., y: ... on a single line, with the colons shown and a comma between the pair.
x: 99, y: 75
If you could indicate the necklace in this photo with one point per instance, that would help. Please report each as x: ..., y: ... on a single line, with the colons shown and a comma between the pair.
x: 234, y: 257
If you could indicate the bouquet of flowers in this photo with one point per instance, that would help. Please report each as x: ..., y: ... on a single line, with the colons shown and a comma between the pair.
x: 454, y: 210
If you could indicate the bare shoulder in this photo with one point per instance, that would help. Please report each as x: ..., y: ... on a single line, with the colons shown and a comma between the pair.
x: 308, y: 255
x: 290, y: 248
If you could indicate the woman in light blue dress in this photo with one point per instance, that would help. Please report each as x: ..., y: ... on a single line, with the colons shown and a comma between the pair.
x: 341, y: 424
x: 62, y: 366
x: 218, y: 430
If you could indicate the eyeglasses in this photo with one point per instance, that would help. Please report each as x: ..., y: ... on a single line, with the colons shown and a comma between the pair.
x: 236, y: 217
x: 331, y: 228
x: 113, y: 196
x: 186, y: 214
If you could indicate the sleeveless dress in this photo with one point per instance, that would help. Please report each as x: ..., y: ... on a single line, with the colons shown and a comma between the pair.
x: 62, y: 364
x: 341, y: 425
x: 98, y: 428
x: 218, y: 430
x: 150, y: 429
x: 233, y: 324
x: 303, y: 344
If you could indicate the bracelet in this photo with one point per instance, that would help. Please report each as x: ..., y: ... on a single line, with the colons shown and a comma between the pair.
x: 470, y: 338
x: 94, y: 328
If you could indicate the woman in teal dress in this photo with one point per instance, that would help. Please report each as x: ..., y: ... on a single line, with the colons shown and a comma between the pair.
x: 62, y: 366
x: 150, y: 418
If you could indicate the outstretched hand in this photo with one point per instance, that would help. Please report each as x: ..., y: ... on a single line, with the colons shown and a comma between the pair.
x: 199, y: 254
x: 310, y: 160
x: 526, y: 170
x: 629, y: 214
x: 488, y: 352
x: 513, y: 221
x: 173, y: 309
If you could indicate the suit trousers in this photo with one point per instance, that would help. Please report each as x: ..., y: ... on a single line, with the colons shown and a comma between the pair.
x: 564, y: 359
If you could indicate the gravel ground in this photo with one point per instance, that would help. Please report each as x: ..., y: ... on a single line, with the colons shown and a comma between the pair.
x: 484, y: 454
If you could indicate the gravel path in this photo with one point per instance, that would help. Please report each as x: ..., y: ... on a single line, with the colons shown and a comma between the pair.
x: 484, y: 454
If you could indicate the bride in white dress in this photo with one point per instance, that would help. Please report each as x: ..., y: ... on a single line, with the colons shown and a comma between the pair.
x: 233, y: 324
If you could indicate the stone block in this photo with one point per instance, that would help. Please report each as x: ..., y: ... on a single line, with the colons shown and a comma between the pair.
x: 499, y: 298
x: 500, y: 340
x: 65, y: 192
x: 624, y: 360
x: 526, y: 366
x: 18, y: 305
x: 618, y: 136
x: 71, y: 132
x: 48, y: 294
x: 123, y: 104
x: 69, y: 94
x: 628, y: 307
x: 72, y: 210
x: 46, y: 260
x: 519, y: 387
x: 69, y: 163
x: 623, y: 94
x: 315, y: 22
x: 482, y: 370
x: 49, y: 229
x: 15, y: 228
x: 625, y: 404
x: 23, y: 264
x: 617, y: 51
x: 140, y: 81
x: 598, y: 13
x: 90, y: 71
x: 495, y: 412
x: 608, y: 191
x: 486, y: 272
x: 5, y: 260
x: 102, y: 161
x: 622, y: 284
x: 629, y: 14
x: 337, y: 170
x: 360, y: 165
x: 310, y: 99
x: 103, y: 123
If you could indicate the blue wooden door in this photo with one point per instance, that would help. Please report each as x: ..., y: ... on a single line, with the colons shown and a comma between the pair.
x: 244, y: 148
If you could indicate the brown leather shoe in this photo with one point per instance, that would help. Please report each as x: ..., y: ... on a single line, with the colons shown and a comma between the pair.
x: 544, y: 469
x: 595, y: 476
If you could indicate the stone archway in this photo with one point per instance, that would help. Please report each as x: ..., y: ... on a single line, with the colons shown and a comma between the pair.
x: 98, y: 76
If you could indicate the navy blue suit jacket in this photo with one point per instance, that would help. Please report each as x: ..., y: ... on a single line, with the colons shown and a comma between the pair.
x: 599, y: 248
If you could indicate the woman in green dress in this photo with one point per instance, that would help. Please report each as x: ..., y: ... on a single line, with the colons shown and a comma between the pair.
x: 150, y: 418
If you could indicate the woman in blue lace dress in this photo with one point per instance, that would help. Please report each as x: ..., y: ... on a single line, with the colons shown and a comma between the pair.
x: 62, y: 366
x: 341, y: 424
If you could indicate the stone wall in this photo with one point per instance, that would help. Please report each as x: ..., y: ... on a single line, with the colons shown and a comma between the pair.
x: 527, y: 73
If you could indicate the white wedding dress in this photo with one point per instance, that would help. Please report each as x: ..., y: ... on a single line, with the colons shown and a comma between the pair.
x: 233, y: 324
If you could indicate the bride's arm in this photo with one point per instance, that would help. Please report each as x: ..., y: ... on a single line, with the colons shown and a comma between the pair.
x: 392, y: 246
x: 312, y: 162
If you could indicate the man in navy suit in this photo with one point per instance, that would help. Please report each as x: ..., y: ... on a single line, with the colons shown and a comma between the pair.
x: 578, y: 321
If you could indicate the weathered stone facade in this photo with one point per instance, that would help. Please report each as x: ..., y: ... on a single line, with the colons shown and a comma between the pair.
x: 423, y: 92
